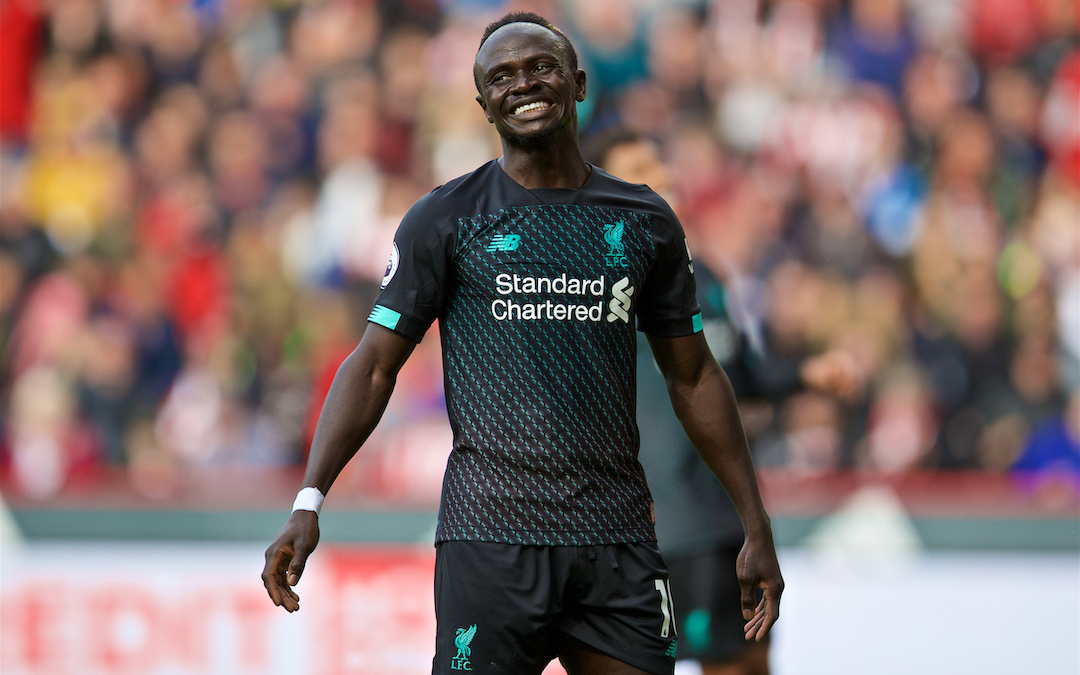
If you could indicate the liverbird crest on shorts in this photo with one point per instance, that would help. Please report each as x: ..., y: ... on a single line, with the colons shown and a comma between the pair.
x: 464, y: 638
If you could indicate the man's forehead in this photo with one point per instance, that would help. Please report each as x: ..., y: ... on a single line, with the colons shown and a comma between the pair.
x: 514, y: 36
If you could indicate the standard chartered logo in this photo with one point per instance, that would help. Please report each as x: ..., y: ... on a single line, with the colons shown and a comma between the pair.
x: 569, y: 299
x: 621, y: 293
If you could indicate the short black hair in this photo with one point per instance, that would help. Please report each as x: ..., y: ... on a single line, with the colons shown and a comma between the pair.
x: 529, y: 17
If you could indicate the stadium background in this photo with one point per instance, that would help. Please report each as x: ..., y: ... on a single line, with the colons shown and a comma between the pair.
x: 196, y: 204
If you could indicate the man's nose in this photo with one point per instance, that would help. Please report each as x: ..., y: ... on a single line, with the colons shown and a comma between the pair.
x: 523, y: 81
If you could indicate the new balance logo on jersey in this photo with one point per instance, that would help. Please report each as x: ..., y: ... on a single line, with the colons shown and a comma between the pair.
x: 504, y: 242
x: 622, y: 293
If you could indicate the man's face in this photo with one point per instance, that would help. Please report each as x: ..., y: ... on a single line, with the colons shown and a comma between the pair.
x: 527, y: 89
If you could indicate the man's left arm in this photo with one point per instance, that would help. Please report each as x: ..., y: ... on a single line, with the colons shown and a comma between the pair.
x: 705, y: 404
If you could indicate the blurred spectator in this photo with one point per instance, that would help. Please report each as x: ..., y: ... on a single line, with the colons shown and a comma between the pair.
x: 874, y: 42
x: 1059, y: 124
x: 1050, y: 462
x: 611, y: 44
x: 198, y: 201
x: 20, y: 24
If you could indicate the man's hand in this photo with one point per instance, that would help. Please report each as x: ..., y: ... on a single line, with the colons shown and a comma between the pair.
x: 354, y: 405
x: 834, y: 372
x: 286, y: 557
x: 705, y: 404
x: 758, y: 568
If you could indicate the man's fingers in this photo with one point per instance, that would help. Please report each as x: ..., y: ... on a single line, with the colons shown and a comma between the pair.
x: 754, y: 621
x: 765, y: 615
x: 299, y: 561
x: 274, y: 566
x: 272, y: 589
x: 748, y: 599
x: 762, y: 624
x: 287, y: 556
x: 278, y: 562
x: 772, y: 611
x: 753, y: 624
x: 283, y: 596
x: 305, y: 539
x: 290, y: 601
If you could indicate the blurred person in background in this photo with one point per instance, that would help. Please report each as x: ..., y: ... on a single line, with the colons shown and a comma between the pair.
x: 207, y: 174
x: 697, y: 526
x: 1049, y: 463
x: 545, y: 540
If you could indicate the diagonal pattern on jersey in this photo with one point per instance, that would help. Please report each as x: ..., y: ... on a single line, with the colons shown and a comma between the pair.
x: 542, y: 455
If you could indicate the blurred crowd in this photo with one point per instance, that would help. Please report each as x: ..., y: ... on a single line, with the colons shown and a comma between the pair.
x: 198, y: 200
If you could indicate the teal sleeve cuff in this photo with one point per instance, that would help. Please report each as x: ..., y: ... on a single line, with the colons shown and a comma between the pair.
x: 385, y: 317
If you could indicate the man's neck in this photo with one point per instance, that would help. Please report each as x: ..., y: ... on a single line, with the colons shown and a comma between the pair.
x: 550, y: 166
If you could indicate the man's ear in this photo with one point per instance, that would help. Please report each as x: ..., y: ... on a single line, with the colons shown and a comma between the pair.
x: 483, y: 104
x: 579, y: 79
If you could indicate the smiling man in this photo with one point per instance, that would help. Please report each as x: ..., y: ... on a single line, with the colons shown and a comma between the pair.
x: 534, y: 119
x: 539, y: 268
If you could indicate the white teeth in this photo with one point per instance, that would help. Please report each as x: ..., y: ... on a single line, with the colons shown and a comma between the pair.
x: 539, y: 105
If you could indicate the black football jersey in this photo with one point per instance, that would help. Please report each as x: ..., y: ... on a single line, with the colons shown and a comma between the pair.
x: 537, y: 294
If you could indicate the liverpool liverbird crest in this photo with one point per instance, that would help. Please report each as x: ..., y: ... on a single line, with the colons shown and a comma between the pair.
x: 613, y: 237
x: 462, y: 641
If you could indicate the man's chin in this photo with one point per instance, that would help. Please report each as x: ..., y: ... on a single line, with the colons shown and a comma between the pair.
x: 533, y: 139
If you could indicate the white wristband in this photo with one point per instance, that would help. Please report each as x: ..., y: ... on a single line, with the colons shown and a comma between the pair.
x: 308, y: 499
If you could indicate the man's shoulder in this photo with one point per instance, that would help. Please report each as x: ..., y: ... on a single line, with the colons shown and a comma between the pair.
x: 453, y: 199
x: 618, y: 192
x: 477, y: 180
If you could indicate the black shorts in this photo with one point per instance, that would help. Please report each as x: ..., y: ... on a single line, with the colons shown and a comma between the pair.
x: 500, y: 607
x: 706, y: 591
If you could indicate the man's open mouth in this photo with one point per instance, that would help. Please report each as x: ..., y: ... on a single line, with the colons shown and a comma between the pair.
x: 530, y: 107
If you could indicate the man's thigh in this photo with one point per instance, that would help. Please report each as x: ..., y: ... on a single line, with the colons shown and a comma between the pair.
x: 578, y: 658
x: 621, y: 606
x: 493, y: 608
x: 511, y: 609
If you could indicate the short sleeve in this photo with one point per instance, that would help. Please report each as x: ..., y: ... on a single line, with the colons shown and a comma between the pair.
x: 668, y: 305
x: 415, y: 285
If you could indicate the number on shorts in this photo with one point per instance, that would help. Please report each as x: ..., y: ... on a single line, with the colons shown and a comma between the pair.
x: 665, y: 605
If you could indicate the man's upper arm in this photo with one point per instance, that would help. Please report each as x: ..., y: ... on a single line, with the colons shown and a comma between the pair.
x: 683, y: 359
x: 667, y: 303
x: 384, y: 350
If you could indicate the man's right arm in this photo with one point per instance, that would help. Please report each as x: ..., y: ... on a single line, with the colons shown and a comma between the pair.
x: 354, y: 405
x: 704, y: 402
